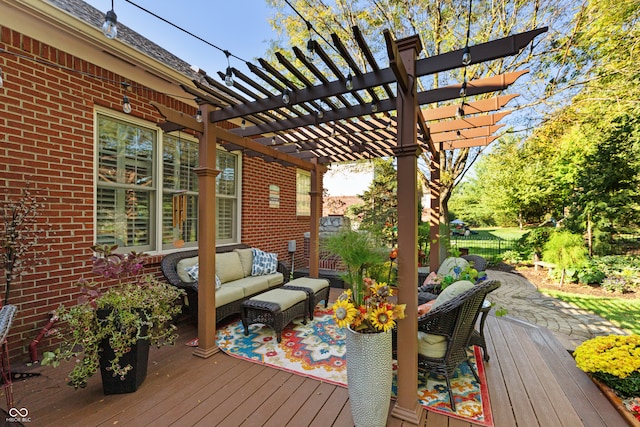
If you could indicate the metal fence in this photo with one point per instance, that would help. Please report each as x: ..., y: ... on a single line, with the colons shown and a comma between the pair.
x: 487, y: 247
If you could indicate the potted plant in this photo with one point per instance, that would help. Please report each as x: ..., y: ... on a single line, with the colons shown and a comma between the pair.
x: 614, y: 360
x: 113, y: 329
x: 369, y: 315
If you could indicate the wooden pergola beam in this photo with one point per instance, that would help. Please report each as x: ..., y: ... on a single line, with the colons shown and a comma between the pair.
x: 465, y: 133
x: 187, y: 121
x: 467, y: 143
x: 475, y: 107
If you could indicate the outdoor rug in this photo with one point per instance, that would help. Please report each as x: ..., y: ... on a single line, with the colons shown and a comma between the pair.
x: 317, y: 350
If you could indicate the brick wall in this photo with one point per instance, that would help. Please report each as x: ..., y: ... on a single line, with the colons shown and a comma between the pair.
x: 46, y: 140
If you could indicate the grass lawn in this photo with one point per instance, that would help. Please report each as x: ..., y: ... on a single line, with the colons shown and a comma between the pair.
x: 624, y: 313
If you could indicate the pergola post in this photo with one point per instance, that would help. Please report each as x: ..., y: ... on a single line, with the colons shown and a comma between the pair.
x: 434, y: 211
x: 314, y: 220
x: 207, y: 174
x: 407, y: 152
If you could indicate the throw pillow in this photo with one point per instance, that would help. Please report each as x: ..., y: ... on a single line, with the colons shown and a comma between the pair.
x: 452, y: 291
x: 193, y: 273
x: 263, y: 263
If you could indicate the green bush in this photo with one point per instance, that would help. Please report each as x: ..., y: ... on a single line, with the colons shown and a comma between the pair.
x: 533, y: 241
x: 565, y: 250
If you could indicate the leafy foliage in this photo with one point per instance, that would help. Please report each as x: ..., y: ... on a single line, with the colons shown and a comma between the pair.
x: 566, y: 250
x: 138, y: 308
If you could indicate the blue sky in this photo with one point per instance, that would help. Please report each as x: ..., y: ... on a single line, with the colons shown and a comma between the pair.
x: 239, y: 26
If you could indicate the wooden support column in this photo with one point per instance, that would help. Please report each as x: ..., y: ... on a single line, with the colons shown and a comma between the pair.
x: 434, y: 211
x: 207, y: 174
x: 403, y: 55
x: 314, y: 221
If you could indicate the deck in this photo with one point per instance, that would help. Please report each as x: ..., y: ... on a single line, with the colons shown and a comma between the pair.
x: 532, y: 380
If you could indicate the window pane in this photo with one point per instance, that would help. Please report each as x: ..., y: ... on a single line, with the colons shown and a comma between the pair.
x: 123, y: 217
x: 188, y: 232
x: 125, y: 193
x: 303, y: 188
x: 225, y: 224
x: 180, y: 158
x: 226, y: 180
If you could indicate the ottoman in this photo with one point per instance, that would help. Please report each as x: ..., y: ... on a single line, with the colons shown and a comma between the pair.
x: 275, y: 308
x: 316, y: 289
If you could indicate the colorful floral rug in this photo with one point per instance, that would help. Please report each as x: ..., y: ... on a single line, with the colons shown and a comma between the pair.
x: 317, y: 350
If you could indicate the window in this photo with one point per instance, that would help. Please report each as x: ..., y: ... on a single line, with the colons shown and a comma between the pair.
x: 303, y: 190
x: 143, y: 176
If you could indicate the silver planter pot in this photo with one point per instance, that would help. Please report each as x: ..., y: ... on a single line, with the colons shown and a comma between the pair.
x: 369, y: 377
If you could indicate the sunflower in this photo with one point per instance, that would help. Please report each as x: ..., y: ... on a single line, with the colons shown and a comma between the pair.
x: 382, y: 319
x: 344, y: 312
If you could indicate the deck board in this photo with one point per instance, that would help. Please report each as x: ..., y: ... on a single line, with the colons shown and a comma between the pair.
x: 532, y: 381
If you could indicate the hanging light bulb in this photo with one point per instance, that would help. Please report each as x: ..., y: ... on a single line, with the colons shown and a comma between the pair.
x: 285, y: 96
x: 459, y: 134
x: 466, y: 56
x: 349, y: 83
x: 126, y: 105
x: 110, y: 26
x: 320, y: 114
x: 460, y: 112
x: 228, y: 77
x: 1, y: 81
x: 311, y: 48
x: 463, y: 89
x: 273, y: 140
x: 374, y: 107
x: 243, y: 124
x: 199, y: 116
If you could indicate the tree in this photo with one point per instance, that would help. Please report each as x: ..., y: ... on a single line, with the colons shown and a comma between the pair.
x: 442, y: 26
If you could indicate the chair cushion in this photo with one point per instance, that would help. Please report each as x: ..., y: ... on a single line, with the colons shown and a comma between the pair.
x: 246, y: 258
x: 452, y: 291
x: 448, y: 265
x: 229, y: 267
x: 183, y: 266
x: 431, y: 345
x: 263, y: 263
x: 194, y: 271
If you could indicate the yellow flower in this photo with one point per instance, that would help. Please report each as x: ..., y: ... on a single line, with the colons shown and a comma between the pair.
x: 344, y: 312
x: 382, y: 319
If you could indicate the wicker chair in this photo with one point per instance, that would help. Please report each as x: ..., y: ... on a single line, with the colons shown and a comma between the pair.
x: 169, y: 266
x: 454, y: 320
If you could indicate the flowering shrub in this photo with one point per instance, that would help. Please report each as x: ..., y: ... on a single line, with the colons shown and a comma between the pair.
x: 138, y: 307
x: 614, y: 360
x: 374, y: 314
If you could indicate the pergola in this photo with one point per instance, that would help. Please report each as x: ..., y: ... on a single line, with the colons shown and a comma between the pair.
x: 309, y: 123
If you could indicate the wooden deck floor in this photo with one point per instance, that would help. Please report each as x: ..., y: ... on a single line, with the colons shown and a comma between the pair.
x: 532, y: 381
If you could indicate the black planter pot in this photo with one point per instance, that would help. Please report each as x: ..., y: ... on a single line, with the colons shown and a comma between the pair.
x: 138, y: 358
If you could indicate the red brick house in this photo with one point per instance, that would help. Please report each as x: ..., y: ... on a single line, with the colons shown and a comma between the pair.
x: 107, y: 176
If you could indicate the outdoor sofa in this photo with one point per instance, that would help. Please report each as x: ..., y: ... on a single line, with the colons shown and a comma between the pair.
x: 238, y: 276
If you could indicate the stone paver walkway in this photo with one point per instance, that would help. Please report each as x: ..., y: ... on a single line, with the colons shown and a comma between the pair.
x: 571, y: 325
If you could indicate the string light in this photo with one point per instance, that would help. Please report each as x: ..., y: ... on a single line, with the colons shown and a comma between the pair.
x: 199, y: 116
x: 243, y: 124
x: 463, y: 88
x: 466, y: 53
x: 460, y: 111
x: 285, y: 96
x: 110, y: 26
x: 126, y: 105
x: 228, y: 77
x: 374, y: 107
x: 311, y: 43
x: 349, y: 83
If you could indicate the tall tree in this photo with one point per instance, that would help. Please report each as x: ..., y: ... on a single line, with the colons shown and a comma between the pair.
x: 442, y: 26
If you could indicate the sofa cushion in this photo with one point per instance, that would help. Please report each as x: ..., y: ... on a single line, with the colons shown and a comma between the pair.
x: 448, y: 265
x: 183, y: 266
x: 228, y: 294
x: 229, y: 267
x: 263, y: 263
x: 452, y: 291
x: 275, y: 279
x: 250, y: 285
x: 246, y: 258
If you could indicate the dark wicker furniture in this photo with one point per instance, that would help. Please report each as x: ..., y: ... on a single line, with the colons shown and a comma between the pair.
x: 316, y: 289
x: 169, y: 265
x: 454, y: 320
x: 270, y: 309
